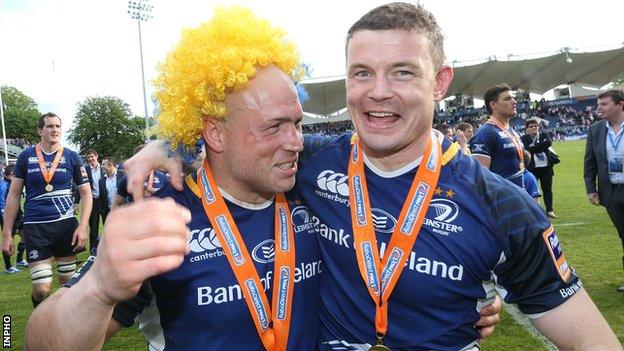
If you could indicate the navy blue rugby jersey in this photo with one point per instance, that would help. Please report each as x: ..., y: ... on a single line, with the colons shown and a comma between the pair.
x: 480, y: 236
x: 200, y: 306
x: 160, y: 179
x: 42, y: 206
x: 490, y: 141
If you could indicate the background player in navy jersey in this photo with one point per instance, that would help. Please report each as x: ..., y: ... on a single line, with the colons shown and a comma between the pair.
x: 478, y: 237
x: 495, y: 144
x: 48, y: 171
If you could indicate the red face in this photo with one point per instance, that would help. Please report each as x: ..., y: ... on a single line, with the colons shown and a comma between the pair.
x: 262, y: 136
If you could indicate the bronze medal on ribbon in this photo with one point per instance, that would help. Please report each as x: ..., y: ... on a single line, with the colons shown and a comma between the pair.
x: 46, y: 172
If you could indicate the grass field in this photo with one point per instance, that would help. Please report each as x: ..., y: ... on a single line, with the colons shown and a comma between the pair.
x: 588, y: 238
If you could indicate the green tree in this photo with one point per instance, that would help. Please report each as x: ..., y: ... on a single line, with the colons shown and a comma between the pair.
x: 20, y: 114
x: 107, y: 125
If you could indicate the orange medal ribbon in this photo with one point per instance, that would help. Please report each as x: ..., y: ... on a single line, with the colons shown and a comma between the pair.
x: 513, y: 138
x: 272, y: 325
x: 381, y: 275
x: 48, y: 173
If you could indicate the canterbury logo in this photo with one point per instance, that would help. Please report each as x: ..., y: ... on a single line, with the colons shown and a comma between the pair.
x: 204, y: 240
x: 333, y: 182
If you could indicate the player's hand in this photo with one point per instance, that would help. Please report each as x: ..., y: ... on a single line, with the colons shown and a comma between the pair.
x: 490, y: 316
x: 593, y: 199
x: 153, y: 156
x: 139, y: 241
x: 7, y: 244
x: 79, y: 239
x: 461, y: 138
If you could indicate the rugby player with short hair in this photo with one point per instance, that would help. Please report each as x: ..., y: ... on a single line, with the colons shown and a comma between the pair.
x: 47, y: 171
x: 496, y: 145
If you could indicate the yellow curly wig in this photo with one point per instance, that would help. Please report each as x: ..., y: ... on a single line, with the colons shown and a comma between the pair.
x: 210, y: 62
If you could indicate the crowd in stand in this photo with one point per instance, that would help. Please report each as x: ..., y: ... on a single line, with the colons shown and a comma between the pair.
x: 20, y: 142
x: 559, y: 121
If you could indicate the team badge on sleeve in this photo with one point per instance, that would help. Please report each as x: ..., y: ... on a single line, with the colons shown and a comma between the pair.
x: 556, y: 252
x: 83, y: 172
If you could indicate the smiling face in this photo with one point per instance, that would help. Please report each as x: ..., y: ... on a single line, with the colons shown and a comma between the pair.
x: 92, y: 159
x: 392, y: 86
x: 260, y: 138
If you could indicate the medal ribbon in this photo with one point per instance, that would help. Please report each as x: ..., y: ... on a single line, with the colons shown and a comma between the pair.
x: 381, y: 275
x: 48, y: 173
x: 272, y: 325
x: 511, y: 136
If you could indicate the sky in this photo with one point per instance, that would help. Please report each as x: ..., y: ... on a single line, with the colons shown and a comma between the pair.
x: 60, y: 52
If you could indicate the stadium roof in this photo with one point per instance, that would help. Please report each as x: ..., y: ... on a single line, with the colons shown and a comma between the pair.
x: 535, y: 75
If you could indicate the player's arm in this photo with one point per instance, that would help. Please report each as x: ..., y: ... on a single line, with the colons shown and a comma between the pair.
x: 10, y: 212
x: 80, y: 235
x: 117, y: 201
x: 577, y: 325
x: 140, y: 241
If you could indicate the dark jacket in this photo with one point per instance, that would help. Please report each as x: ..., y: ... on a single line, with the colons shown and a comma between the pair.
x: 541, y: 144
x: 103, y: 197
x: 596, y: 166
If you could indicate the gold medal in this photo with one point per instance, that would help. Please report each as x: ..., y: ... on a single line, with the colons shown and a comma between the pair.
x: 379, y: 346
x: 49, y: 188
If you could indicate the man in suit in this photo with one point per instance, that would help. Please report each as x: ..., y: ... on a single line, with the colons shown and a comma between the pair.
x: 604, y: 156
x: 108, y: 185
x: 95, y: 173
x: 538, y: 145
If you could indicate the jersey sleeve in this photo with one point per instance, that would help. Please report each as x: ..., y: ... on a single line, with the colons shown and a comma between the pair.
x: 532, y: 270
x: 21, y: 166
x: 79, y: 171
x: 480, y: 144
x: 312, y: 143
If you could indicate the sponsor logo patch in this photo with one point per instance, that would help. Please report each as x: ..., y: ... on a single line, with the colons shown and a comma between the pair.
x: 360, y: 210
x: 264, y: 252
x: 333, y: 186
x: 414, y: 208
x: 282, y: 297
x: 254, y: 293
x: 444, y: 213
x: 383, y: 221
x: 371, y: 271
x: 208, y: 193
x: 556, y: 253
x: 230, y: 240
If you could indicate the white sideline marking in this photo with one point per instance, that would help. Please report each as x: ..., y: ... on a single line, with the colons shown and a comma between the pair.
x: 569, y: 224
x: 525, y: 323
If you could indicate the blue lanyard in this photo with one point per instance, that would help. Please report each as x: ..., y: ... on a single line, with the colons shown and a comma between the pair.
x: 615, y: 142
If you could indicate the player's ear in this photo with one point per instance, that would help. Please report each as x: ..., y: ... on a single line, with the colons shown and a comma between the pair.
x: 443, y: 81
x: 213, y: 134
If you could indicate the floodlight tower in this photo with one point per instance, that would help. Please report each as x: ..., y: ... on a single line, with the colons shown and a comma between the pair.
x: 141, y: 11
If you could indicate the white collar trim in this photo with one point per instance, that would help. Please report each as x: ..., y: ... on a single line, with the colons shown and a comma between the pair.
x: 392, y: 174
x: 244, y: 204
